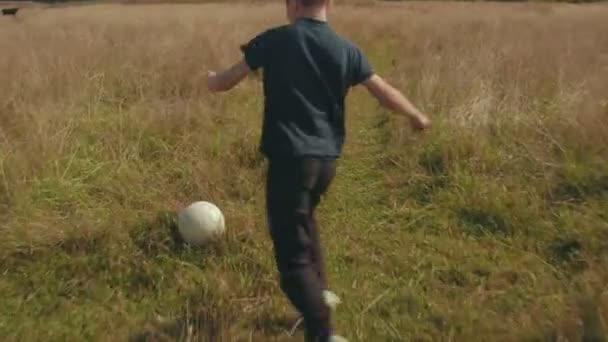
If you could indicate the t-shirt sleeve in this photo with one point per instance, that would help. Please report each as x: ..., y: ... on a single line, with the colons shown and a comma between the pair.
x: 257, y: 51
x: 361, y: 69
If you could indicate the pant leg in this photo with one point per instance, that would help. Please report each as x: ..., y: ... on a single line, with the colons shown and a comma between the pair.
x: 289, y: 188
x: 288, y: 229
x: 318, y: 256
x: 327, y: 172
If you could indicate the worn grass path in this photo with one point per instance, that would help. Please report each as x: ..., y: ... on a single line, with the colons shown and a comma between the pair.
x: 358, y: 233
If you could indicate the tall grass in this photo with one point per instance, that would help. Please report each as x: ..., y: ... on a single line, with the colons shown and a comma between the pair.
x: 492, y: 226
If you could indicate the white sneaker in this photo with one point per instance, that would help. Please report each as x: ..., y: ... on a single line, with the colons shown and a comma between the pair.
x: 337, y: 338
x: 331, y: 299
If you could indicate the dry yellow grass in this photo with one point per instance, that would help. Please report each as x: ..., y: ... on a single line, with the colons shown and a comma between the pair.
x: 491, y: 227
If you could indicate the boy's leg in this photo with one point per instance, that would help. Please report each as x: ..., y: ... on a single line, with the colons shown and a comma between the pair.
x: 288, y: 205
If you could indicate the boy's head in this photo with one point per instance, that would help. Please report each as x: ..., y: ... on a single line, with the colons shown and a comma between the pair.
x: 307, y: 8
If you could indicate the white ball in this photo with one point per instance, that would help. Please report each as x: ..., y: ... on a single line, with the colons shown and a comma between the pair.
x: 200, y: 222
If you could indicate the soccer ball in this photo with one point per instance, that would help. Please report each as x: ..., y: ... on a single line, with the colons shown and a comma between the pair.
x: 200, y: 222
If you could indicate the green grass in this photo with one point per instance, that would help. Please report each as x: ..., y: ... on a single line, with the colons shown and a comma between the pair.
x: 444, y: 255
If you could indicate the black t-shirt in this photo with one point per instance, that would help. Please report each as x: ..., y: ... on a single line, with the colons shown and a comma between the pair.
x: 308, y: 69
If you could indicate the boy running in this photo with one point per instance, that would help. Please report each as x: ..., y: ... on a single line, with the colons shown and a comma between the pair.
x: 308, y: 70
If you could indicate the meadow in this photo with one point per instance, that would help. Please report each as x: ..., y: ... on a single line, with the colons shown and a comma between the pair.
x: 493, y: 226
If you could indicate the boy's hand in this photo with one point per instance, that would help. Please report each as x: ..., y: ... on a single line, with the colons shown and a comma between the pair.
x: 420, y: 122
x: 392, y: 99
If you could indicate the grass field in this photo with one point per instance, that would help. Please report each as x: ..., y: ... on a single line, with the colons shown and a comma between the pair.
x: 491, y: 227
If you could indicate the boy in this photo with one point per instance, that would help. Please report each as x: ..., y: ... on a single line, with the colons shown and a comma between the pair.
x: 308, y: 70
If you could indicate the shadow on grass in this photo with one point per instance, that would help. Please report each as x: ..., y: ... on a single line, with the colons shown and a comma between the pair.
x: 278, y: 326
x: 579, y: 184
x: 568, y: 253
x: 219, y: 323
x: 159, y: 236
x: 205, y: 325
x: 482, y: 221
x: 74, y: 244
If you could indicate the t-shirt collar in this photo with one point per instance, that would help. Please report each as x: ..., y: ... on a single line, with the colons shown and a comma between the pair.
x: 312, y: 20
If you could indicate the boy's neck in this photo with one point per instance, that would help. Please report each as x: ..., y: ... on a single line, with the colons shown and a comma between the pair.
x: 313, y: 13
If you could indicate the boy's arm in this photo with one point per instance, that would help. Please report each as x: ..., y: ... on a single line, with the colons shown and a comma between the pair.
x: 229, y: 78
x: 395, y: 101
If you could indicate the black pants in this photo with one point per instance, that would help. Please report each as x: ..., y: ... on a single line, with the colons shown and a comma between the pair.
x: 294, y: 189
